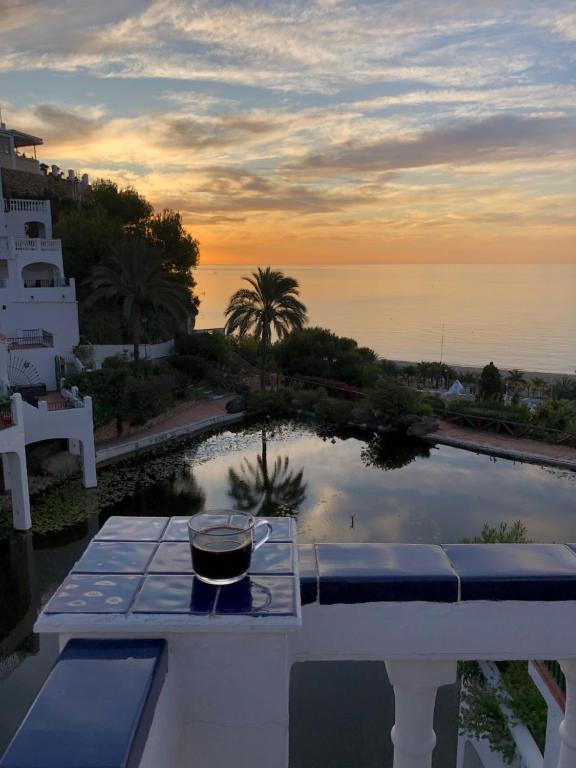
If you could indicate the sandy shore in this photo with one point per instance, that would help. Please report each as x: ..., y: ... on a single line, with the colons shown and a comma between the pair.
x: 549, y: 377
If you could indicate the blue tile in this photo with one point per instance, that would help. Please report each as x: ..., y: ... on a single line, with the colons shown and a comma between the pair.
x: 175, y: 557
x: 514, y: 571
x: 259, y: 596
x: 132, y: 529
x: 366, y: 573
x: 79, y: 593
x: 115, y: 557
x: 95, y: 708
x: 177, y: 529
x: 175, y: 594
x: 308, y: 573
x: 273, y: 558
x: 172, y: 557
x: 283, y: 529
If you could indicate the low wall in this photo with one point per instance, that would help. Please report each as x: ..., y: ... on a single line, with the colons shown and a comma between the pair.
x: 113, y: 452
x: 99, y: 352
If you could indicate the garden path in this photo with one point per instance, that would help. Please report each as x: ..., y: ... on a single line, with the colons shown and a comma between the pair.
x: 504, y: 445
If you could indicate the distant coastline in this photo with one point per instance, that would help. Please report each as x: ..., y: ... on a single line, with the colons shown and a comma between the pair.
x: 548, y: 377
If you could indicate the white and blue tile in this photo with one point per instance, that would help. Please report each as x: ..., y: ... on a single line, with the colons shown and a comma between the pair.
x: 91, y: 593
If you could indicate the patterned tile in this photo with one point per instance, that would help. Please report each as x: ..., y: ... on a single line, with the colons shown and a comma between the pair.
x: 115, y: 557
x: 132, y: 529
x: 109, y: 593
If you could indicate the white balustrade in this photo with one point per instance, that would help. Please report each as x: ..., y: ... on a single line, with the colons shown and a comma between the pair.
x: 36, y: 244
x: 567, y: 757
x: 28, y: 206
x: 415, y: 686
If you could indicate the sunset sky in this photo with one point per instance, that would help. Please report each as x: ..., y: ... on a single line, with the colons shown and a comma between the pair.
x: 314, y: 131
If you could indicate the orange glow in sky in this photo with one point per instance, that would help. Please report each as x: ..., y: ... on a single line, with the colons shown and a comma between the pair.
x: 314, y: 132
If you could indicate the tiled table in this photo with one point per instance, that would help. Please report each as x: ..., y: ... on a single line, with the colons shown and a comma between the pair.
x: 137, y: 574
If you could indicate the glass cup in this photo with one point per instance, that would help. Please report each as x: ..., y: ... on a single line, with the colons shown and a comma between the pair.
x: 222, y: 543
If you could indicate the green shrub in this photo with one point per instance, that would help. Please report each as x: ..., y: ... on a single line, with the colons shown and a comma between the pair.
x: 214, y: 347
x: 391, y: 399
x: 273, y: 404
x: 115, y: 361
x: 334, y: 411
x: 557, y: 414
x: 492, y: 409
x: 194, y: 366
x: 145, y: 398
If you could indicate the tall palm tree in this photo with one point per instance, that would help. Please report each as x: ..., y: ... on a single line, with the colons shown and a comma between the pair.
x: 135, y: 277
x: 270, y: 304
x: 516, y: 381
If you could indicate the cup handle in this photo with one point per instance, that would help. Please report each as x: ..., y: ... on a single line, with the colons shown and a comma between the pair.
x: 266, y: 536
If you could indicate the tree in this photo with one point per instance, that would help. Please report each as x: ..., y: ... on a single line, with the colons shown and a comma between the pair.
x: 110, y: 215
x: 515, y: 382
x: 136, y: 279
x: 320, y: 353
x: 538, y: 385
x: 490, y: 383
x: 271, y: 304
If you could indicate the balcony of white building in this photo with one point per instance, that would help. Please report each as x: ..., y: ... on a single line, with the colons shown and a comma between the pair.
x: 159, y: 668
x: 18, y: 150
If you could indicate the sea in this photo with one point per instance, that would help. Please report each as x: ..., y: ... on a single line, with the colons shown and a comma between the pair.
x: 518, y: 316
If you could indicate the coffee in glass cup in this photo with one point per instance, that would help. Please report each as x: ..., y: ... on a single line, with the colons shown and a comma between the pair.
x: 222, y: 543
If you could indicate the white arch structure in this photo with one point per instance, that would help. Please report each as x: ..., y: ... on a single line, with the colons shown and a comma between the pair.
x: 31, y: 425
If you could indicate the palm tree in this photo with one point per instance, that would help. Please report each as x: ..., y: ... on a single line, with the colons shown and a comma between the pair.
x: 270, y: 304
x: 135, y: 277
x: 515, y: 382
x: 537, y: 385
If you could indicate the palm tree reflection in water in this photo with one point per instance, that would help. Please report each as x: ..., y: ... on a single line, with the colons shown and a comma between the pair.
x: 267, y: 491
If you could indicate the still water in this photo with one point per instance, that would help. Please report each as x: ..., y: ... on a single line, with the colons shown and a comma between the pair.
x: 519, y: 316
x: 340, y: 488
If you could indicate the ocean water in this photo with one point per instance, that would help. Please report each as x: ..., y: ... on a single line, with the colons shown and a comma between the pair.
x: 520, y: 316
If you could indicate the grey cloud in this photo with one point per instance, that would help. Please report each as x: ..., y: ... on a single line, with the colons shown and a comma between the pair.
x: 224, y: 131
x: 499, y: 137
x: 62, y: 125
x: 234, y: 190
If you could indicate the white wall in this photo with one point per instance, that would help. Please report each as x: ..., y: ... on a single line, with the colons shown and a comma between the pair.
x: 16, y: 220
x: 147, y: 351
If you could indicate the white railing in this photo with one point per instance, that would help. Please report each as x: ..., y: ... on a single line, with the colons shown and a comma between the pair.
x: 36, y: 244
x: 28, y: 206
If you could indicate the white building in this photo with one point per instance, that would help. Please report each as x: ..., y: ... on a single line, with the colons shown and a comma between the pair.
x: 38, y: 308
x: 38, y: 325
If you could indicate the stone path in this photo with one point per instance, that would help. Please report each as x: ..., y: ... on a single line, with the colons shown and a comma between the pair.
x: 503, y: 445
x: 195, y: 412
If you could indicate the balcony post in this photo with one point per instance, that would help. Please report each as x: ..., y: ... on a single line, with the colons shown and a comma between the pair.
x: 415, y: 685
x: 567, y: 757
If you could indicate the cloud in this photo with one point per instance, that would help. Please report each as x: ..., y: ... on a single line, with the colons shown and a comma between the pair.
x: 66, y: 125
x: 217, y: 132
x: 500, y: 137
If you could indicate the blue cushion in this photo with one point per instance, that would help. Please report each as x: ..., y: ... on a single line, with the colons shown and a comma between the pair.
x: 95, y: 708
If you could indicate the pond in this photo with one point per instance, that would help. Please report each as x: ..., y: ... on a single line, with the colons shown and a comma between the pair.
x: 339, y: 488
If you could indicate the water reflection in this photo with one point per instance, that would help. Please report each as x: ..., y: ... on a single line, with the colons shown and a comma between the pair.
x: 263, y: 490
x: 393, y: 452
